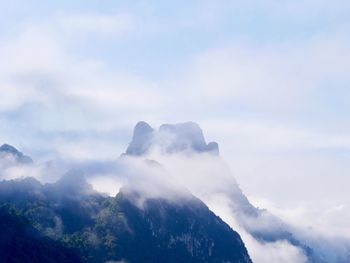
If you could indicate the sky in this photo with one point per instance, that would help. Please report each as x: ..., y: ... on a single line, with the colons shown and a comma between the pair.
x: 268, y: 80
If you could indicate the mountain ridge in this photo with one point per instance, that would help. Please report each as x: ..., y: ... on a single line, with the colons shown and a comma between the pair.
x: 170, y: 138
x: 80, y: 220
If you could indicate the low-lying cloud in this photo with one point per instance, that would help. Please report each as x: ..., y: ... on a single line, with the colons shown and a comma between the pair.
x: 174, y: 176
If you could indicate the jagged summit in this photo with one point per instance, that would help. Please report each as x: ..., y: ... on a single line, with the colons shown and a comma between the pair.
x: 142, y: 127
x: 7, y: 149
x: 141, y: 139
x: 186, y: 136
x: 170, y: 138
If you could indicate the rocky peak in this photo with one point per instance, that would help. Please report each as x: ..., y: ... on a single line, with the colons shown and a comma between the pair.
x: 72, y: 182
x: 141, y: 139
x: 170, y: 138
x: 7, y: 149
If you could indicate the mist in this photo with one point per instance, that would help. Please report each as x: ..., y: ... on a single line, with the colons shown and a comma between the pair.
x: 172, y: 169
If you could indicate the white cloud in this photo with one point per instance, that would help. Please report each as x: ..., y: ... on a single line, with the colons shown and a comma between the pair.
x: 275, y: 77
x: 108, y: 184
x: 275, y: 252
x: 47, y: 92
x: 328, y: 219
x: 97, y: 24
x: 275, y: 136
x: 37, y: 68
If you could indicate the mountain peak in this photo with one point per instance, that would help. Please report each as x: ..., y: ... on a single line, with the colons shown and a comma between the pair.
x: 186, y: 136
x: 186, y: 130
x: 141, y: 139
x: 142, y: 127
x: 7, y: 149
x: 73, y: 182
x: 170, y: 138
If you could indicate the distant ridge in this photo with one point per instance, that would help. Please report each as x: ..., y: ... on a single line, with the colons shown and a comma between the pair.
x: 7, y: 149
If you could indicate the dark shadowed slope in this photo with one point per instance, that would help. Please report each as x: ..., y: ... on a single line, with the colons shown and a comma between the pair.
x: 69, y: 216
x: 20, y: 242
x: 168, y: 231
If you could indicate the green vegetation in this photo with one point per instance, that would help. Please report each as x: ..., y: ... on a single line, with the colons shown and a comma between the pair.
x: 80, y: 226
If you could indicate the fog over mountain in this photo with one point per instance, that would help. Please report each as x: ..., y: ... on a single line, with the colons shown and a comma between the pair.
x: 205, y: 174
x: 263, y: 84
x: 169, y: 164
x: 150, y: 219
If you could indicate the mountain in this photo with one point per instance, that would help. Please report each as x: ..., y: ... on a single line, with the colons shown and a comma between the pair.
x: 184, y: 150
x: 182, y: 137
x: 68, y: 220
x: 171, y: 176
x: 8, y: 151
x: 181, y: 231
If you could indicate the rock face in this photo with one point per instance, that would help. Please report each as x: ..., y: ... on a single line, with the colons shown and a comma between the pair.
x: 89, y: 227
x: 170, y: 138
x: 7, y: 150
x: 141, y: 139
x: 164, y: 231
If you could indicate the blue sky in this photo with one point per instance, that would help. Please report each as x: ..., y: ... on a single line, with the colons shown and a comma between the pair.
x: 268, y: 80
